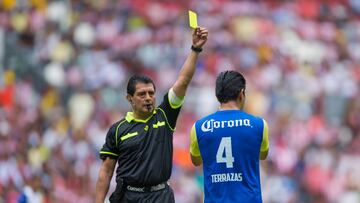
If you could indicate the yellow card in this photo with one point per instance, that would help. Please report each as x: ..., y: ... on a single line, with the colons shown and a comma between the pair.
x: 193, y: 19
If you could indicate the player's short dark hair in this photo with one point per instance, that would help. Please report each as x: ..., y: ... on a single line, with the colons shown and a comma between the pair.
x: 228, y: 85
x: 137, y: 79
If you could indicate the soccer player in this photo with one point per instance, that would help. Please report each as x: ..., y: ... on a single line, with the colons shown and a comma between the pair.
x: 229, y: 144
x: 141, y: 143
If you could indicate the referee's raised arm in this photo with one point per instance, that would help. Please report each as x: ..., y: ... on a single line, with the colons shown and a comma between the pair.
x: 187, y: 71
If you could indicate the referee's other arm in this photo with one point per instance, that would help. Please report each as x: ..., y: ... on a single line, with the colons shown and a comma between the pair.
x: 105, y: 175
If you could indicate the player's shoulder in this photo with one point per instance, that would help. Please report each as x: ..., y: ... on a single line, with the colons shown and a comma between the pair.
x: 205, y: 118
x: 117, y: 124
x: 252, y: 116
x: 254, y: 119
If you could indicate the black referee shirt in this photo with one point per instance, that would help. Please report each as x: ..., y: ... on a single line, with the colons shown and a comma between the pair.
x: 143, y: 148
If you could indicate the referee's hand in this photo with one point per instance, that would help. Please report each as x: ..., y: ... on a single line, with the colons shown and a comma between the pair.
x: 200, y: 36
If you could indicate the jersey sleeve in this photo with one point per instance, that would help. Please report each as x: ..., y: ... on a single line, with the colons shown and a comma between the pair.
x: 175, y: 101
x: 265, y: 140
x: 110, y: 149
x: 171, y: 106
x: 194, y: 146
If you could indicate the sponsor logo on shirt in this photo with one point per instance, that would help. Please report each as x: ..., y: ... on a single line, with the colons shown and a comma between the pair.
x: 209, y: 125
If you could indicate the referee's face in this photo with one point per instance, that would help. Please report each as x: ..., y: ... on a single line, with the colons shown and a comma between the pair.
x: 143, y: 101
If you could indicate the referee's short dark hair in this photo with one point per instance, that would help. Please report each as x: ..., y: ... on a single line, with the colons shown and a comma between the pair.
x: 137, y: 79
x: 228, y: 85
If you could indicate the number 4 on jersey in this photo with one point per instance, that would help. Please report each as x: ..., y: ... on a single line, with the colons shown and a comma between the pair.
x: 225, y: 146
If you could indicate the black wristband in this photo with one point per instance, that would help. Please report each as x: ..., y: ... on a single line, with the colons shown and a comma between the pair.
x: 198, y: 50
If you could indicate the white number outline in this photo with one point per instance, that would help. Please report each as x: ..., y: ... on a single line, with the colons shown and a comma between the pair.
x: 225, y: 145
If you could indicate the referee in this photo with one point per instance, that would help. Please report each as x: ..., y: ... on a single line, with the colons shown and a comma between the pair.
x: 229, y: 144
x: 141, y: 143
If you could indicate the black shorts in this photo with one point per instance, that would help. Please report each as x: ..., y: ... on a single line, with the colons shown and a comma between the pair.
x: 165, y: 195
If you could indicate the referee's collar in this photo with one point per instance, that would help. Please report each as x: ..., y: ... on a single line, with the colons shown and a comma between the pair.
x: 130, y: 117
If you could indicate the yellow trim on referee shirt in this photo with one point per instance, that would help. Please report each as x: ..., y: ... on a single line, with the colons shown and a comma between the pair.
x: 158, y: 124
x: 128, y: 136
x: 130, y: 117
x: 105, y: 152
x: 166, y: 119
x: 116, y: 134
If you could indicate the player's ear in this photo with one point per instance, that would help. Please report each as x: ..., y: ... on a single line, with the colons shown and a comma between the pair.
x: 241, y: 98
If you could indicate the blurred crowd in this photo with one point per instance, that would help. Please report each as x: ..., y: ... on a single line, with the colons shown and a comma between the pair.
x: 64, y: 66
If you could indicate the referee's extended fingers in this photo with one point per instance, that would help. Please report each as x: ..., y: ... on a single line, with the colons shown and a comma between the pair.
x: 204, y: 33
x: 201, y: 29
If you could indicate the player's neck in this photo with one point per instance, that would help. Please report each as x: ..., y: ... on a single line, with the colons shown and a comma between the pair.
x: 231, y: 105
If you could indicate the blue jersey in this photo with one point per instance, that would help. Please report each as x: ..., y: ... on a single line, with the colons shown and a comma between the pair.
x: 229, y: 143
